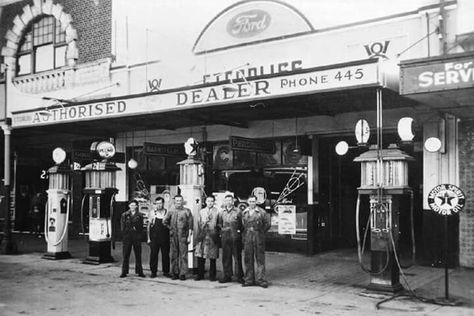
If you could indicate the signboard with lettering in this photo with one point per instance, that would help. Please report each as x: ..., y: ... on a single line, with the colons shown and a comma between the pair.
x: 446, y: 199
x: 431, y: 76
x: 254, y: 145
x: 173, y: 150
x: 286, y: 219
x: 359, y: 74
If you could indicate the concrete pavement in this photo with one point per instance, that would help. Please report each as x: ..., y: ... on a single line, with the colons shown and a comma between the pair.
x: 331, y: 283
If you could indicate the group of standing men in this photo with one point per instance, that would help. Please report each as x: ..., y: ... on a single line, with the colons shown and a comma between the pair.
x: 172, y: 231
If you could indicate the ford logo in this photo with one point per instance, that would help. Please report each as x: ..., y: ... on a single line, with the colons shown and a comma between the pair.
x: 248, y: 23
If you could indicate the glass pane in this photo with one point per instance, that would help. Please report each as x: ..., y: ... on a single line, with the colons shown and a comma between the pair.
x: 44, y: 59
x: 24, y: 64
x: 60, y: 36
x: 43, y: 31
x: 60, y: 56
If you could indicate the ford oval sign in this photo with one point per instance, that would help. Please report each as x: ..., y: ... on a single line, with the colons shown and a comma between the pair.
x: 248, y: 23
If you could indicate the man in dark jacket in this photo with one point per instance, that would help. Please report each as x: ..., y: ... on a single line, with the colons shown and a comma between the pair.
x: 131, y: 223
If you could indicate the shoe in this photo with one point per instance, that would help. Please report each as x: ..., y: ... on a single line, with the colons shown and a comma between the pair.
x: 182, y: 277
x: 225, y: 280
x: 167, y: 275
x: 247, y: 284
x: 153, y: 275
x: 123, y: 275
x: 263, y: 284
x: 212, y: 279
x: 141, y: 275
x: 175, y: 277
x: 240, y: 280
x: 198, y: 278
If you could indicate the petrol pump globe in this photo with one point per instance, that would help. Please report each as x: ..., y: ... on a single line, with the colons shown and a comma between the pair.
x: 341, y: 148
x: 404, y: 129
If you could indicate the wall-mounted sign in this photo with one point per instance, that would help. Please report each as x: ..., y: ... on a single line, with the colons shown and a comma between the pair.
x: 446, y: 199
x: 172, y: 150
x: 286, y: 219
x: 361, y: 74
x: 430, y: 76
x: 254, y: 145
x: 249, y: 23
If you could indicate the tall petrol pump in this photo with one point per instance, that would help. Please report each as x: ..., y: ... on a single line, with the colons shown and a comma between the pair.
x: 99, y: 196
x: 58, y: 208
x: 384, y: 179
x: 191, y: 183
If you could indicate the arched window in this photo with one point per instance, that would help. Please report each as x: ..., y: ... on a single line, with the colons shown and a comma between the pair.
x: 43, y: 47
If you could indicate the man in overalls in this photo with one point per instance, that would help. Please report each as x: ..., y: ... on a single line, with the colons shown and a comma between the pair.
x: 230, y: 226
x: 158, y: 238
x: 256, y: 223
x: 179, y: 220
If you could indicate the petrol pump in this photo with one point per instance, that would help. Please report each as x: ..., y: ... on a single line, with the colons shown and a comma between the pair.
x: 191, y: 183
x: 384, y: 179
x: 99, y: 196
x: 57, y: 208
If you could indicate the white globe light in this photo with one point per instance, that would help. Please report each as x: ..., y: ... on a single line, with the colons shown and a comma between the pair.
x: 362, y: 131
x: 341, y: 148
x: 132, y: 163
x: 405, y: 129
x: 432, y: 144
x: 59, y: 155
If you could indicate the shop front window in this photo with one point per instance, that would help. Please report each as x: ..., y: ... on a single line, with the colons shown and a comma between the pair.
x: 43, y: 47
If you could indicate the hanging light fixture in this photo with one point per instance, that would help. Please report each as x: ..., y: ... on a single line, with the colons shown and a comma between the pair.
x: 132, y: 163
x: 296, y: 149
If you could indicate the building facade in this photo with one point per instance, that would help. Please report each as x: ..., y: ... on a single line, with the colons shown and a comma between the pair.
x: 267, y: 87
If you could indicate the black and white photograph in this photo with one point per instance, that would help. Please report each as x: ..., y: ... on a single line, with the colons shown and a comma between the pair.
x: 236, y: 157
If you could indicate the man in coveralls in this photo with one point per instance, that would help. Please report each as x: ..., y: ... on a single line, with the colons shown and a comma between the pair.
x: 179, y: 220
x: 256, y: 223
x: 230, y: 226
x: 131, y: 224
x: 158, y: 238
x: 208, y: 238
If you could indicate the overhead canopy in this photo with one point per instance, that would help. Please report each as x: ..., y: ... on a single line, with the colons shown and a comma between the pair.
x: 445, y: 83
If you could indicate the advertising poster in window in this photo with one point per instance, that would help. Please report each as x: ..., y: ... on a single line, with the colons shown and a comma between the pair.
x: 286, y: 219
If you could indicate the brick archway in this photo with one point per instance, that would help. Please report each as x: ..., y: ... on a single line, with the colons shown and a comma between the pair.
x: 20, y: 23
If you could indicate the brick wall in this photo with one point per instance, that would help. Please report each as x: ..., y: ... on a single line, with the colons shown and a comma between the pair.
x: 466, y: 172
x: 92, y: 22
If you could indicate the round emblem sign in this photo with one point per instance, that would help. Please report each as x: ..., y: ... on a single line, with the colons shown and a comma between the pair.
x: 446, y: 199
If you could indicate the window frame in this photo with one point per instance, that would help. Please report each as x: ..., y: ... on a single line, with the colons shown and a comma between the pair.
x: 32, y: 51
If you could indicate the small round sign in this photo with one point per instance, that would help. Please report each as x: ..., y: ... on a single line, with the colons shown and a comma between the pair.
x: 446, y: 199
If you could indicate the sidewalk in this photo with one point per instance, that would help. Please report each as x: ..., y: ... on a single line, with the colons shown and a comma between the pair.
x: 333, y: 273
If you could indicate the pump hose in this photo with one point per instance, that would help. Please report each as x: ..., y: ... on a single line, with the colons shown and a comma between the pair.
x: 82, y: 215
x: 111, y: 234
x: 63, y: 234
x: 360, y: 251
x: 409, y: 292
x: 412, y: 232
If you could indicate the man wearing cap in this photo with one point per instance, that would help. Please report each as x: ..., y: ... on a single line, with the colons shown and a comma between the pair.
x: 256, y: 223
x: 179, y: 220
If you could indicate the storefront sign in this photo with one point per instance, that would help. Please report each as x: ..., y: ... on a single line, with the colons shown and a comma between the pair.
x: 437, y: 76
x: 163, y: 150
x: 248, y: 23
x: 355, y: 75
x: 286, y: 219
x: 446, y: 199
x: 254, y: 145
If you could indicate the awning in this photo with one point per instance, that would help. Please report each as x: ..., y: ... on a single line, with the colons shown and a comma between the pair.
x: 444, y: 83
